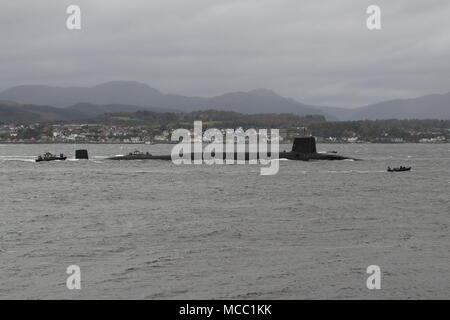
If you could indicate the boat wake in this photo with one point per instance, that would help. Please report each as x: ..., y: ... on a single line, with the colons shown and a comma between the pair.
x: 355, y: 171
x: 17, y: 158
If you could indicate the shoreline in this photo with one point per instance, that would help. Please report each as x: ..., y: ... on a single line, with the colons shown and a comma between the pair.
x: 172, y: 143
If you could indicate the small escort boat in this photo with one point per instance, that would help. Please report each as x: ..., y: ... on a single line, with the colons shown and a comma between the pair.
x: 50, y: 157
x: 399, y: 169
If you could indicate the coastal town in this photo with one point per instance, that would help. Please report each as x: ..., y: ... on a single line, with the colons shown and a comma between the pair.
x: 150, y: 134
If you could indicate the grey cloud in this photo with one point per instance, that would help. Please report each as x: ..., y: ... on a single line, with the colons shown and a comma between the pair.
x: 318, y: 52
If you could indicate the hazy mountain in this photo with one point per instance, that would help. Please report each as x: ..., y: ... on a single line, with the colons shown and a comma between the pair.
x: 128, y: 96
x: 116, y: 92
x: 142, y: 95
x: 341, y: 114
x: 92, y: 110
x: 259, y: 101
x: 16, y: 112
x: 435, y: 106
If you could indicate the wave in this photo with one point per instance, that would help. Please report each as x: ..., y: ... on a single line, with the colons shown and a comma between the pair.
x: 355, y: 171
x: 12, y: 158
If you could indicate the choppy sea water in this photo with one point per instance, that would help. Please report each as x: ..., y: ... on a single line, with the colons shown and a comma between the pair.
x: 153, y: 230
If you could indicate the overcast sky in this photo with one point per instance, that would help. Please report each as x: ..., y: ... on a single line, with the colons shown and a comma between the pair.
x: 318, y: 52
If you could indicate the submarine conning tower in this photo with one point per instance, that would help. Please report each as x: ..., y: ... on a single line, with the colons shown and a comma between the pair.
x: 304, y: 145
x: 81, y: 154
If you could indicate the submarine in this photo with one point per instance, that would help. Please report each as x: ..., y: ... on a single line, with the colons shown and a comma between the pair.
x: 303, y: 149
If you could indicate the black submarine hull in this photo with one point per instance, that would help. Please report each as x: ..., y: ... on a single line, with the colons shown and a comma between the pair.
x: 303, y: 149
x: 141, y: 157
x: 247, y: 157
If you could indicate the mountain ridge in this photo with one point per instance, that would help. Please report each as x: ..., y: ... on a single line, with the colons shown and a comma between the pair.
x: 260, y: 100
x: 139, y: 94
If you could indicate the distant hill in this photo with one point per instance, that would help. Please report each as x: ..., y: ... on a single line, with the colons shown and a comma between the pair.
x: 146, y: 97
x: 338, y: 114
x: 128, y: 93
x: 435, y: 106
x: 128, y: 96
x: 12, y: 112
x: 26, y: 113
x: 89, y: 110
x: 210, y: 118
x: 259, y: 101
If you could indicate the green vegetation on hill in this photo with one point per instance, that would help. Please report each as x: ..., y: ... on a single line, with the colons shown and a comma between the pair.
x: 16, y: 113
x: 210, y: 118
x: 383, y: 130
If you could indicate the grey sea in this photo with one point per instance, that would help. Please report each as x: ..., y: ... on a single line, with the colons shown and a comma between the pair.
x: 154, y: 230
